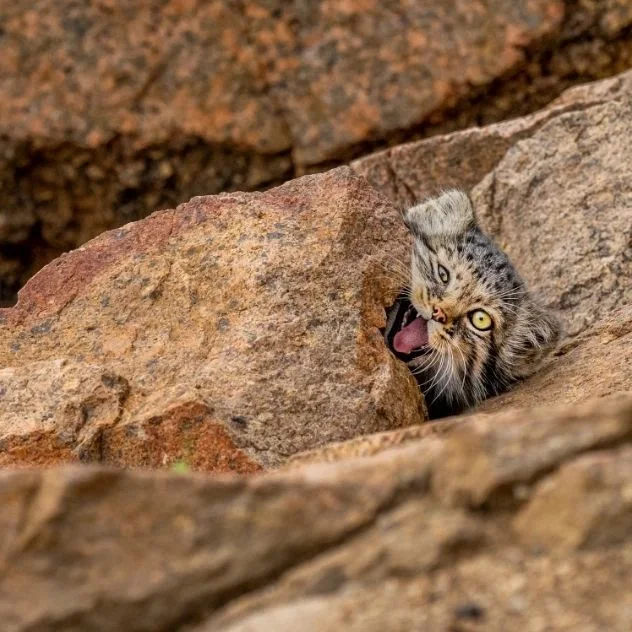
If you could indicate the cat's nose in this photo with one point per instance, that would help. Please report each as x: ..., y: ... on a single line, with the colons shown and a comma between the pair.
x: 439, y: 315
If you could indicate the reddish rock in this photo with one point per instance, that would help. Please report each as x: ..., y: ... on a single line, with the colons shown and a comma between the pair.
x: 109, y: 112
x: 227, y: 334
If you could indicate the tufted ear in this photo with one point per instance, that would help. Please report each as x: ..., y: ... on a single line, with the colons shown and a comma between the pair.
x: 448, y: 215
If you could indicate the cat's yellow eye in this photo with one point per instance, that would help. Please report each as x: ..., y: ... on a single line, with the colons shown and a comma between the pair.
x: 481, y: 319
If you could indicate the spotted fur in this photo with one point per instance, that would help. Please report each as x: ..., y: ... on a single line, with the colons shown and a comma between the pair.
x: 462, y: 364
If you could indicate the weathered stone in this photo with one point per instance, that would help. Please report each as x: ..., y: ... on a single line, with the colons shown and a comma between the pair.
x: 488, y: 459
x: 370, y: 544
x: 267, y: 76
x: 55, y: 410
x: 569, y: 166
x: 245, y: 328
x: 110, y: 112
x: 560, y: 204
x: 369, y: 445
x: 588, y: 503
x: 410, y: 172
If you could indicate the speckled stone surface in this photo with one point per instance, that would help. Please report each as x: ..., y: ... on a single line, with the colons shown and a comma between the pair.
x: 110, y: 110
x: 515, y: 521
x: 552, y: 188
x: 269, y: 76
x: 227, y: 334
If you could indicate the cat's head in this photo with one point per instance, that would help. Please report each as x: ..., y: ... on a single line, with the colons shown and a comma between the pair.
x: 471, y: 328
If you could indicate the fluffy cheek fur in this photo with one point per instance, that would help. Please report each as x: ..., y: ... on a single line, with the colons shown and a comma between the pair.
x: 457, y: 355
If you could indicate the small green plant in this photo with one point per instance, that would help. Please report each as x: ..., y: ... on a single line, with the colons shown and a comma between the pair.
x: 180, y: 467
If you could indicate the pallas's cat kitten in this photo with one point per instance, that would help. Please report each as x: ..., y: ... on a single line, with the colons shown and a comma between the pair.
x: 466, y: 324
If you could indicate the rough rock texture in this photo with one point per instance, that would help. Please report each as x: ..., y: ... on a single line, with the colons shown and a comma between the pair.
x: 596, y: 363
x: 515, y: 521
x: 553, y: 188
x: 112, y: 110
x: 227, y: 334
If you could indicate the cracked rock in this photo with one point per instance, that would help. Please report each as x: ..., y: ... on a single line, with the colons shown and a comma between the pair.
x: 246, y: 326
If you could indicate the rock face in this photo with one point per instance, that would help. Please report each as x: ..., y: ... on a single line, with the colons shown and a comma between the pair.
x: 241, y: 332
x: 552, y: 188
x: 109, y: 112
x: 514, y: 521
x: 228, y: 334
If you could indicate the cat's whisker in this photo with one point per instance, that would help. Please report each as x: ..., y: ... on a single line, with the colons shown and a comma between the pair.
x: 449, y: 364
x: 464, y: 365
x: 398, y: 276
x: 428, y: 365
x: 439, y: 374
x: 427, y: 362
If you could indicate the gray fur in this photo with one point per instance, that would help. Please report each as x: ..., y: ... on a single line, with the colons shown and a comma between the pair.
x: 465, y: 365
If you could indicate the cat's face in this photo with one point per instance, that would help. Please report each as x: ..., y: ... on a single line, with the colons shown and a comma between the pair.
x: 471, y: 328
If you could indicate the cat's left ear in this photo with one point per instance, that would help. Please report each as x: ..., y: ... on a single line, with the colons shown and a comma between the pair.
x: 446, y: 216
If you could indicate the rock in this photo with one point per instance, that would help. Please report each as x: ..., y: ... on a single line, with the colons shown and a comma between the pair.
x: 228, y: 334
x: 569, y: 166
x: 368, y: 445
x: 410, y: 172
x: 108, y: 113
x: 382, y: 542
x: 477, y: 468
x: 56, y: 408
x: 587, y: 504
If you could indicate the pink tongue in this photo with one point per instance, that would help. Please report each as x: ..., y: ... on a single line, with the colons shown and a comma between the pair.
x: 411, y: 337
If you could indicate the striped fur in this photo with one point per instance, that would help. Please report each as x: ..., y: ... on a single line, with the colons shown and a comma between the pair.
x: 463, y: 365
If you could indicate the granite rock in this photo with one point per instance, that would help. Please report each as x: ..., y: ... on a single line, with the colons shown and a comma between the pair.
x: 551, y: 188
x: 437, y: 534
x: 227, y: 334
x: 109, y: 112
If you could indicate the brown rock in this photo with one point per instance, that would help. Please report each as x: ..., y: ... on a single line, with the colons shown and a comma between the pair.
x: 560, y: 204
x: 55, y: 408
x: 265, y: 76
x: 489, y: 460
x: 588, y: 503
x: 109, y: 112
x: 410, y: 172
x: 369, y: 445
x: 372, y: 544
x: 244, y: 328
x: 569, y: 166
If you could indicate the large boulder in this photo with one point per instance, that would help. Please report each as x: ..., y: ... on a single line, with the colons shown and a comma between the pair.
x: 110, y: 111
x: 553, y: 189
x: 521, y: 520
x: 227, y: 334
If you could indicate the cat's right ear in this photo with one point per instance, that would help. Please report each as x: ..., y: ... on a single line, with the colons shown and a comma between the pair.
x: 446, y: 216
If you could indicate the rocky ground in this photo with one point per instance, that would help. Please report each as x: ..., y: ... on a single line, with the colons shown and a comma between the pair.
x: 111, y: 111
x: 201, y: 428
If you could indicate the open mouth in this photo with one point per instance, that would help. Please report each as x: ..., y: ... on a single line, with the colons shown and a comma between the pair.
x: 406, y: 331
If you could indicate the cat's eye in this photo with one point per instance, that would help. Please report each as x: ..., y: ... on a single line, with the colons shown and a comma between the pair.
x: 443, y: 273
x: 480, y: 319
